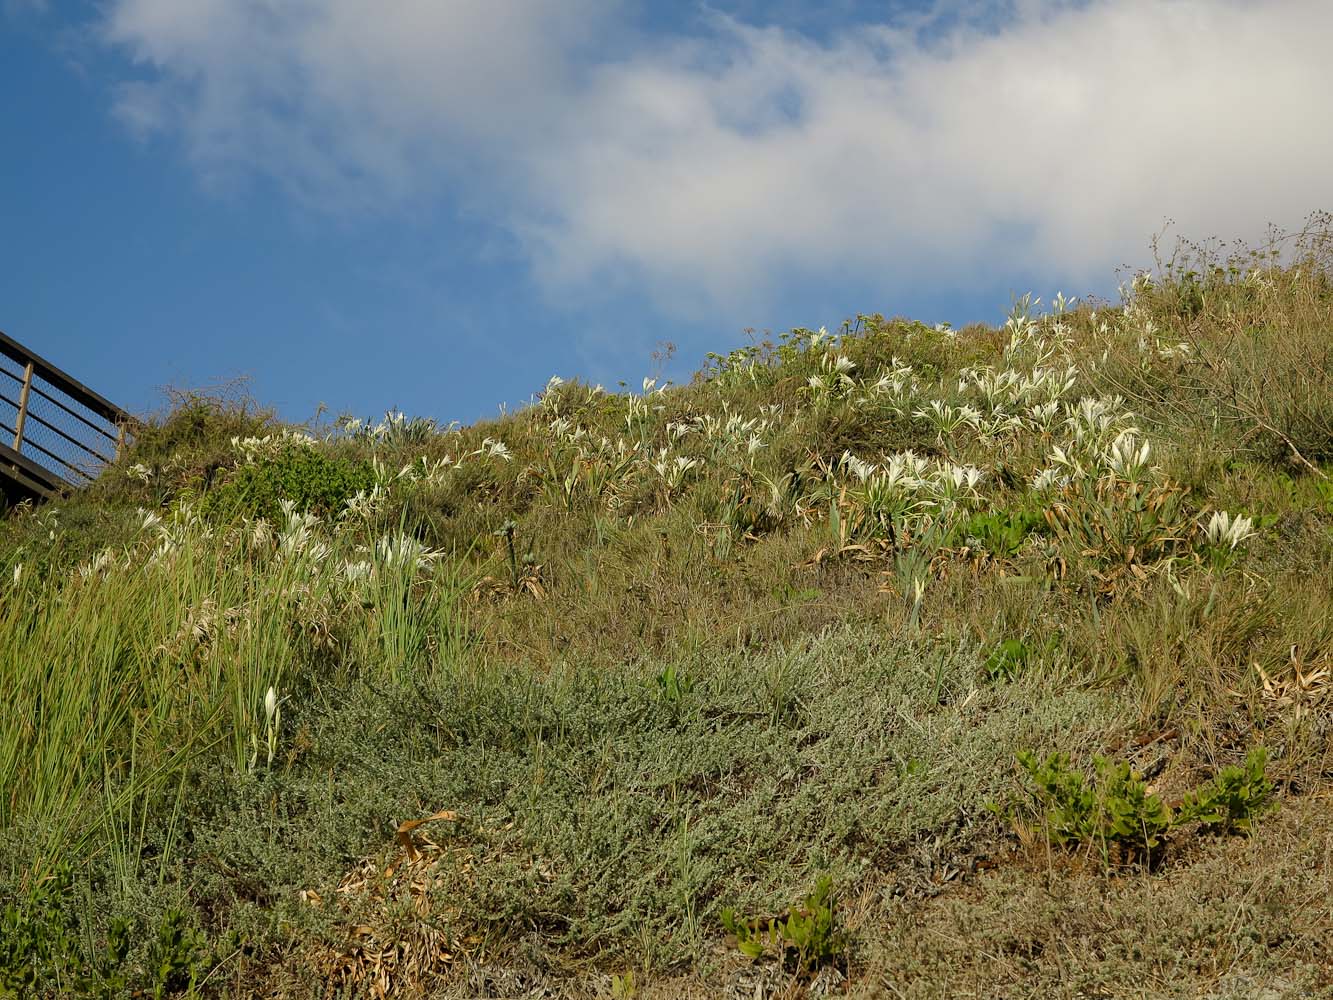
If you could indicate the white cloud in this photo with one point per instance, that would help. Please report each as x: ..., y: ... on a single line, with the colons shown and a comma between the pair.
x: 706, y: 169
x: 347, y: 100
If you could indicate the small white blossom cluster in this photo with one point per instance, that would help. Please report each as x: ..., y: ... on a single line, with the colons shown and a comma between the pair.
x: 1099, y: 439
x: 908, y: 487
x: 730, y: 432
x: 253, y: 449
x: 673, y: 470
x: 1227, y: 532
x: 834, y: 378
x: 297, y: 540
x: 172, y: 533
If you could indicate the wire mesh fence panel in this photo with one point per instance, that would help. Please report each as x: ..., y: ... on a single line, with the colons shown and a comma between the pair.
x: 64, y: 435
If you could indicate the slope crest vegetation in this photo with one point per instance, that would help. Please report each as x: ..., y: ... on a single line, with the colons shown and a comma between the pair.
x: 900, y: 660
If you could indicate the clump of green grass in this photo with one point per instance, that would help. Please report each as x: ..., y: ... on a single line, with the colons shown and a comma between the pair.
x: 128, y: 667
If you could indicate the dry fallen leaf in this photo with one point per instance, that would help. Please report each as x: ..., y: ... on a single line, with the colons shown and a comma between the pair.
x: 405, y: 830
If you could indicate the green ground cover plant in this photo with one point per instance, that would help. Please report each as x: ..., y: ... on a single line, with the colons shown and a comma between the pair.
x: 1118, y: 808
x: 390, y: 708
x: 805, y: 938
x: 1234, y: 799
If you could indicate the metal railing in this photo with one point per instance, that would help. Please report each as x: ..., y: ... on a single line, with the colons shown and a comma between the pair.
x: 55, y: 432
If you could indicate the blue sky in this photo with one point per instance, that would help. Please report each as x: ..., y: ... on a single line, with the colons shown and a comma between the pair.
x: 437, y: 205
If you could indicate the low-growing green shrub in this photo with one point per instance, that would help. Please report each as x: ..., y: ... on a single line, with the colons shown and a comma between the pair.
x: 1233, y: 799
x: 44, y: 949
x: 807, y: 939
x: 36, y: 936
x: 999, y: 532
x: 308, y: 477
x: 1116, y: 807
x: 1130, y: 815
x: 1068, y: 802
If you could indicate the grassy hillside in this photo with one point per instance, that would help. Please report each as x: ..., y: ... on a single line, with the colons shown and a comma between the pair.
x: 900, y: 661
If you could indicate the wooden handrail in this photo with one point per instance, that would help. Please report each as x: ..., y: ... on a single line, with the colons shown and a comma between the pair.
x: 28, y: 478
x: 23, y: 405
x: 67, y: 384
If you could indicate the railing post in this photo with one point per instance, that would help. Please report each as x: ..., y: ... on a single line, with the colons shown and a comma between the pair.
x: 23, y: 407
x: 120, y: 438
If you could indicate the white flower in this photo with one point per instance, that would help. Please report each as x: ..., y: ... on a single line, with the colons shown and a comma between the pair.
x: 270, y: 445
x: 952, y: 484
x: 436, y: 471
x: 97, y: 564
x: 960, y: 476
x: 494, y: 449
x: 999, y: 424
x: 673, y: 471
x: 1048, y: 384
x: 1047, y: 479
x: 1060, y: 457
x: 166, y: 549
x: 270, y: 704
x: 404, y: 551
x: 946, y: 419
x: 297, y: 539
x: 355, y: 572
x: 834, y: 377
x: 1225, y: 530
x: 839, y: 363
x: 913, y: 463
x: 1092, y: 417
x: 1043, y: 415
x: 365, y: 503
x: 1128, y: 458
x: 858, y: 467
